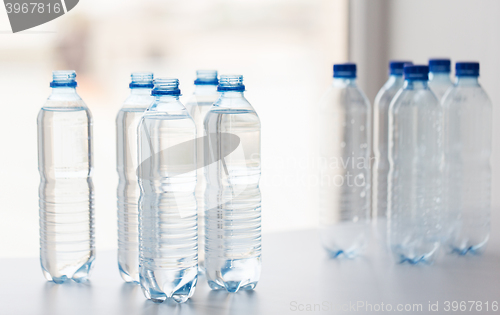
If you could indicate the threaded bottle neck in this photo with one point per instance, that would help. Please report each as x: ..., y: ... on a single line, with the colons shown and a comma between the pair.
x: 231, y: 83
x: 166, y: 87
x: 141, y: 80
x: 63, y: 79
x: 206, y: 77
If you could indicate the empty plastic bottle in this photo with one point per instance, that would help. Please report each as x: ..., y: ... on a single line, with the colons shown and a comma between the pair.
x: 232, y: 197
x: 439, y: 76
x: 66, y: 193
x: 468, y: 133
x: 380, y: 143
x: 415, y: 209
x: 126, y: 165
x: 205, y: 94
x: 345, y: 135
x: 168, y: 266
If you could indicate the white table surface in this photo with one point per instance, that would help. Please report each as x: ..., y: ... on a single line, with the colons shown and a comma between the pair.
x: 296, y: 274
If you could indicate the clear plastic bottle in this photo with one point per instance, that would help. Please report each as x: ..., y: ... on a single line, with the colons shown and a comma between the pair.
x: 345, y: 147
x: 468, y: 135
x: 205, y: 94
x: 381, y: 144
x: 67, y: 248
x: 126, y: 165
x: 168, y: 252
x: 415, y: 207
x: 439, y: 76
x: 232, y: 197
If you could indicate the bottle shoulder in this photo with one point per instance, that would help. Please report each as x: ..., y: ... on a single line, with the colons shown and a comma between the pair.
x: 420, y: 98
x: 347, y: 97
x: 137, y: 102
x: 467, y: 94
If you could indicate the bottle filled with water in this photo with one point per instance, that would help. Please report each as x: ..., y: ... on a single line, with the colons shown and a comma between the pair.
x: 468, y: 146
x: 126, y: 165
x: 380, y: 144
x: 66, y: 191
x: 439, y: 76
x: 168, y: 266
x: 345, y: 135
x: 205, y: 94
x: 415, y: 207
x: 232, y: 197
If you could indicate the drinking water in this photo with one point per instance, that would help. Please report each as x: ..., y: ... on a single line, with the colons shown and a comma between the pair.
x: 415, y: 207
x: 345, y: 123
x: 380, y: 144
x: 439, y: 76
x: 205, y: 94
x: 168, y: 266
x: 468, y: 133
x: 126, y: 165
x: 66, y: 191
x: 232, y: 197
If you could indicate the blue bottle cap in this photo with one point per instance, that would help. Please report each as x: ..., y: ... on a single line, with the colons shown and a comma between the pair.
x: 231, y: 83
x: 344, y: 70
x: 416, y: 72
x: 396, y: 66
x: 439, y: 65
x: 141, y: 80
x: 467, y: 69
x: 63, y: 78
x: 166, y: 86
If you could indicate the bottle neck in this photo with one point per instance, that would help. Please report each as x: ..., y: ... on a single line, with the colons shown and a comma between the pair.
x: 204, y: 89
x: 439, y: 76
x: 467, y: 81
x: 140, y: 91
x: 342, y: 82
x: 63, y: 90
x: 395, y: 79
x: 416, y: 84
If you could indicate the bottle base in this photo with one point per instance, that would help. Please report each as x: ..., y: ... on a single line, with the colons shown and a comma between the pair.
x: 80, y: 276
x: 127, y: 276
x: 235, y: 275
x: 158, y: 286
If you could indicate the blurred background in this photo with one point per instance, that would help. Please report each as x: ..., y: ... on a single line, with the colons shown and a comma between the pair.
x: 284, y: 48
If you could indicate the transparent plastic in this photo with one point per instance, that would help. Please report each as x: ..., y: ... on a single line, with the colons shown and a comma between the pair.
x: 415, y: 205
x: 345, y: 147
x: 66, y: 191
x: 167, y: 205
x: 439, y: 83
x: 232, y: 197
x: 126, y: 165
x: 198, y: 105
x: 381, y: 151
x: 468, y: 134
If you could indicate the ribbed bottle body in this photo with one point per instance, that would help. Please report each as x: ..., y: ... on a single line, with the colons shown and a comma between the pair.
x: 66, y: 194
x: 128, y: 191
x: 232, y: 197
x: 381, y: 151
x: 345, y: 144
x: 167, y: 204
x: 198, y: 106
x: 415, y: 204
x: 468, y: 145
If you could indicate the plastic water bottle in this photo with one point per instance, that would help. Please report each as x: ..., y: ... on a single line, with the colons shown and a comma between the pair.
x: 66, y: 191
x: 415, y: 209
x: 345, y: 124
x: 205, y: 94
x: 381, y: 144
x: 468, y: 133
x: 232, y: 198
x: 126, y: 164
x: 168, y: 266
x: 439, y: 76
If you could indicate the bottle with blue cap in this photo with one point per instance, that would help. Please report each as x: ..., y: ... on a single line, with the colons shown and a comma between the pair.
x: 65, y: 162
x: 415, y: 205
x: 168, y: 253
x: 205, y: 94
x: 345, y: 148
x: 439, y: 76
x: 468, y: 145
x: 380, y: 144
x: 126, y: 165
x: 232, y: 197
